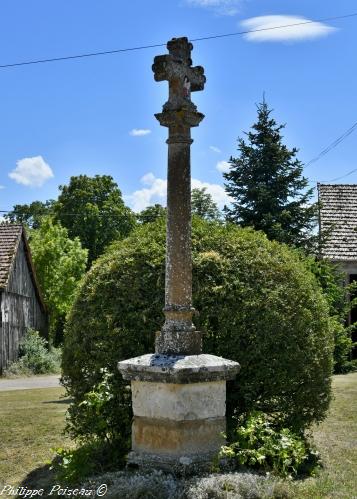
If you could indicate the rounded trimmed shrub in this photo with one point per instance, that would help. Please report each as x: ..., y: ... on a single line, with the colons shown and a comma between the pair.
x: 258, y: 304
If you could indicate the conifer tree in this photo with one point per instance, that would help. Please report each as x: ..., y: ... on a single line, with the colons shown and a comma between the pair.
x: 267, y: 185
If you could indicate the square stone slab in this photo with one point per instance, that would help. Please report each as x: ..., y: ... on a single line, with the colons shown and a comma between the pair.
x: 178, y: 368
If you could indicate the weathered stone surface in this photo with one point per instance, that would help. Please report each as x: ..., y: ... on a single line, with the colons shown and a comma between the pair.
x: 176, y: 67
x: 178, y: 393
x: 170, y: 341
x: 179, y: 401
x: 179, y: 114
x: 180, y: 119
x: 178, y: 368
x: 177, y: 438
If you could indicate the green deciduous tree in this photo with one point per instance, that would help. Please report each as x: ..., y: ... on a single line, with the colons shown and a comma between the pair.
x: 267, y: 185
x: 60, y: 263
x: 92, y: 209
x: 203, y: 205
x: 30, y: 214
x: 332, y: 282
x: 151, y: 213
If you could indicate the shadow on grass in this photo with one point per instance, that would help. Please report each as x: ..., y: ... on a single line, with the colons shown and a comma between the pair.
x: 40, y: 478
x: 60, y: 401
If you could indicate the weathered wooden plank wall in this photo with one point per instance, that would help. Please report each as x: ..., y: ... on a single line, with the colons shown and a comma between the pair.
x: 20, y: 309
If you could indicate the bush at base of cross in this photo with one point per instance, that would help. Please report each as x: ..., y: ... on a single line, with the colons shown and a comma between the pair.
x: 257, y: 443
x: 258, y: 304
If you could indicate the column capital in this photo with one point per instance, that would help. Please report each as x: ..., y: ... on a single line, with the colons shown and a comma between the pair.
x: 182, y: 118
x: 179, y: 138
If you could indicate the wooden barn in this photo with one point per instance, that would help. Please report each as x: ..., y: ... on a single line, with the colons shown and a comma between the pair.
x: 21, y: 303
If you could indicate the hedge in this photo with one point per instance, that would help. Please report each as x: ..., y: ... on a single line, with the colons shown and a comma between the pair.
x: 257, y: 301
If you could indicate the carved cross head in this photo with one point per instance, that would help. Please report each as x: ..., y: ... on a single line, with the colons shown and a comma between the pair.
x: 176, y: 68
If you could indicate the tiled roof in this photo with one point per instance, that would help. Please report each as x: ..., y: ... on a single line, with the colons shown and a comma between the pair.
x: 9, y: 239
x: 338, y: 216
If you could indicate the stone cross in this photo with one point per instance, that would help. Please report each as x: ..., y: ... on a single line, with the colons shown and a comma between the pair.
x: 179, y: 114
x: 178, y: 393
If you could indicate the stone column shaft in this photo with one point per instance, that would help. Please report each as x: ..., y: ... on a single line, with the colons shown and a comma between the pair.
x: 178, y: 334
x: 178, y: 283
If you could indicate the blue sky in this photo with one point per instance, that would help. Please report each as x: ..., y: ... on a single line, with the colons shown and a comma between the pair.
x: 96, y: 115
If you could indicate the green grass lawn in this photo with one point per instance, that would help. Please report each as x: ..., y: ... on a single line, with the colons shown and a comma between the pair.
x: 336, y: 439
x: 31, y: 422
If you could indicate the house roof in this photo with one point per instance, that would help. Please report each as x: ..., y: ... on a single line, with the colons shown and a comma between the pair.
x: 338, y: 217
x: 10, y: 237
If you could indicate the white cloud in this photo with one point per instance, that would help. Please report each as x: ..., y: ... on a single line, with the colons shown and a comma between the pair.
x: 31, y: 171
x: 139, y: 132
x: 215, y: 149
x: 217, y: 192
x: 299, y: 32
x: 155, y: 192
x: 226, y: 7
x: 223, y: 166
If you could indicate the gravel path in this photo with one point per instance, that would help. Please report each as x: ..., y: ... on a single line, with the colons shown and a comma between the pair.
x: 29, y: 383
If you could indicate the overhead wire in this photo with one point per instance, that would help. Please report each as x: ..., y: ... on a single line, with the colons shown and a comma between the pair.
x: 334, y: 144
x: 45, y: 214
x: 338, y: 178
x: 329, y: 148
x: 142, y: 47
x: 211, y: 37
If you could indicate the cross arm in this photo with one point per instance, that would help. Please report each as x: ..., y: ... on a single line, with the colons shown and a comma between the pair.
x: 161, y: 67
x: 197, y: 78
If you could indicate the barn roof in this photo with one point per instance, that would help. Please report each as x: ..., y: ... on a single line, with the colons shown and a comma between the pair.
x: 10, y: 237
x: 9, y: 241
x: 338, y: 217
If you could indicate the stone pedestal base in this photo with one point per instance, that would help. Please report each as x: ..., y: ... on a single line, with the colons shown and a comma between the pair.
x: 179, y: 405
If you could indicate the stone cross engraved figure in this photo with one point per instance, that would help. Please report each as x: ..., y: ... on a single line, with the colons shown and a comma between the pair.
x: 179, y: 114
